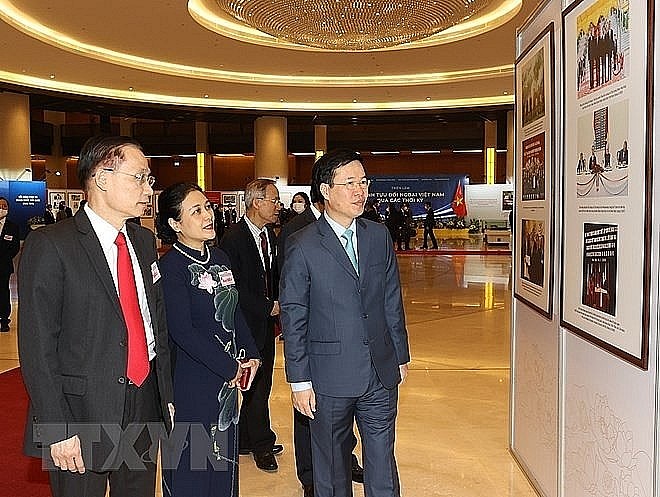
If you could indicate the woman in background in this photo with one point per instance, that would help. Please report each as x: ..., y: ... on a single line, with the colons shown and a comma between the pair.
x: 211, y: 346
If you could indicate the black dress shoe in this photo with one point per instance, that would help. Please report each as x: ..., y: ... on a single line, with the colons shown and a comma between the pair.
x: 265, y: 461
x: 308, y: 490
x: 277, y: 450
x: 357, y: 473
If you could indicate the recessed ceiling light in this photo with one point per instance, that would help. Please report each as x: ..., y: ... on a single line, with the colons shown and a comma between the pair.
x: 130, y: 88
x: 206, y: 95
x: 355, y: 100
x: 506, y: 92
x: 52, y: 76
x: 281, y: 100
x: 428, y: 98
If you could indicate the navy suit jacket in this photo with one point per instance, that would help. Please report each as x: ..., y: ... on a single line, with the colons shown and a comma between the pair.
x: 336, y: 323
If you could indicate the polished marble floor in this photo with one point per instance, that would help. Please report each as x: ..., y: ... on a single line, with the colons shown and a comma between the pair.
x: 452, y: 437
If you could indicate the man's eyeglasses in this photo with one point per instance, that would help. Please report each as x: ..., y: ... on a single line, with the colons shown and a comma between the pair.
x: 141, y: 178
x: 275, y: 201
x: 354, y: 185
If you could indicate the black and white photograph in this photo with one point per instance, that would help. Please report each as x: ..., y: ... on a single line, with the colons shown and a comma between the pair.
x: 599, y: 263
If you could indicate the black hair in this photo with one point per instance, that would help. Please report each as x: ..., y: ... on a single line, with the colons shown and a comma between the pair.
x: 169, y: 206
x: 304, y: 196
x: 102, y: 150
x: 325, y: 167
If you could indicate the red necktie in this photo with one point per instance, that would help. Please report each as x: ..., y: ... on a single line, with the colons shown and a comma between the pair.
x: 137, y: 367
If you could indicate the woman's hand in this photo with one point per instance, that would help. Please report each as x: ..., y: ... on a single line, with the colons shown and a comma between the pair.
x: 253, y: 364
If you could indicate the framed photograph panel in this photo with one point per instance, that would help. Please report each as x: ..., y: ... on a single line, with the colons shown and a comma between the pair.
x: 608, y: 74
x: 55, y: 197
x: 535, y: 159
x: 75, y: 198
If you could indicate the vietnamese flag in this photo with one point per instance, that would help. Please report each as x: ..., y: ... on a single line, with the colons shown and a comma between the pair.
x: 458, y: 205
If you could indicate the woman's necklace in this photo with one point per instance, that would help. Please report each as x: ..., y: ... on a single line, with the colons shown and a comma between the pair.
x: 208, y: 254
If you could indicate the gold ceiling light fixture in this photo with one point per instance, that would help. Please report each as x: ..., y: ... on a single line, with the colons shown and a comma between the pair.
x: 351, y: 25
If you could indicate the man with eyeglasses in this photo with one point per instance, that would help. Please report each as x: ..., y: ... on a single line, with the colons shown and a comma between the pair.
x: 250, y: 245
x: 345, y: 339
x: 93, y: 341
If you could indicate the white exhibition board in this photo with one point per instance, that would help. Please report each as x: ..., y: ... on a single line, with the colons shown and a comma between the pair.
x: 606, y: 413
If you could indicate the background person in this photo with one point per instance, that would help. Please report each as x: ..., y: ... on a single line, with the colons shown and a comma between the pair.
x: 9, y: 246
x: 92, y: 334
x: 209, y: 337
x: 250, y: 245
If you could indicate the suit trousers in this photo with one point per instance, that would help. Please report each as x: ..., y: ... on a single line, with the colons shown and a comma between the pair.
x: 254, y: 428
x: 332, y: 427
x: 302, y: 444
x: 141, y: 405
x: 5, y: 302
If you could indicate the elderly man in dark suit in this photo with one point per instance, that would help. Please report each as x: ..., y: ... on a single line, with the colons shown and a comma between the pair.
x: 251, y: 247
x: 345, y: 339
x: 92, y: 334
x: 9, y: 246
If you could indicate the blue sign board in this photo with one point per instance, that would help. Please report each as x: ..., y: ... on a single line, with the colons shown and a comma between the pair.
x: 27, y: 200
x: 439, y: 190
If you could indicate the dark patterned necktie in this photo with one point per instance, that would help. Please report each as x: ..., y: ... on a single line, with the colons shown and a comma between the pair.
x: 266, y: 254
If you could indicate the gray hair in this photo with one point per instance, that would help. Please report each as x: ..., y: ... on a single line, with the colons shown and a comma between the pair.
x: 256, y: 189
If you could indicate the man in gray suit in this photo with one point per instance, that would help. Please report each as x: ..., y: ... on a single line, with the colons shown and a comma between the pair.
x: 345, y: 340
x: 92, y: 335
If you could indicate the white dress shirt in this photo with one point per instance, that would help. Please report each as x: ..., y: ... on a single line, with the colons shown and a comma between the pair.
x: 107, y: 234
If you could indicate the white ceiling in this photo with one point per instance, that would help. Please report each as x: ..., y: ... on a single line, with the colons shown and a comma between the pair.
x: 155, y: 51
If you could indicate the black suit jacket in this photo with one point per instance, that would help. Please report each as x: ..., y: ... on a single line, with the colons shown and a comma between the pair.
x: 250, y: 278
x: 9, y: 246
x: 72, y: 335
x: 300, y: 221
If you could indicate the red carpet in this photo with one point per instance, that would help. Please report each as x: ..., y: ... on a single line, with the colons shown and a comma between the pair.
x: 20, y: 476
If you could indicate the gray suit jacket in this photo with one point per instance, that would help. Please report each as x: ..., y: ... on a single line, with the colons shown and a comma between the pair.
x: 335, y: 324
x: 72, y: 335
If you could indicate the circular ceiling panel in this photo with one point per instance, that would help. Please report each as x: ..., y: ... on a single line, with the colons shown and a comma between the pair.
x: 351, y: 25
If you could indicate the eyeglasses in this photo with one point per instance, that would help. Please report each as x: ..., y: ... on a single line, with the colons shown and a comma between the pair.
x: 354, y: 185
x: 141, y: 178
x: 275, y: 201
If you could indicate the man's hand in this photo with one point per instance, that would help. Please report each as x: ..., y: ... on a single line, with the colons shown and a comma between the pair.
x: 67, y: 455
x: 276, y: 309
x: 403, y: 371
x: 305, y: 402
x: 170, y: 407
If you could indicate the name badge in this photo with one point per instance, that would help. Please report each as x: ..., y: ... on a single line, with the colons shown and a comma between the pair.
x: 226, y: 278
x: 155, y: 272
x: 9, y: 238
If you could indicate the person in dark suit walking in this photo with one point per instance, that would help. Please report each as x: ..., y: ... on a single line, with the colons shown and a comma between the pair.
x: 345, y: 339
x: 92, y: 339
x: 9, y: 246
x: 250, y: 245
x: 429, y: 224
x: 302, y: 438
